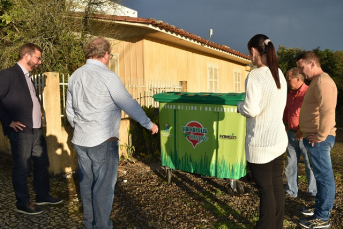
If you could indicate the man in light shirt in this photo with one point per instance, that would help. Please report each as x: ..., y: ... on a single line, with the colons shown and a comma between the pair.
x: 21, y: 118
x: 317, y: 127
x: 95, y: 99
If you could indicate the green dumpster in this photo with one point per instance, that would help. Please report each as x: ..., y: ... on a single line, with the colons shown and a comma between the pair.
x: 202, y: 133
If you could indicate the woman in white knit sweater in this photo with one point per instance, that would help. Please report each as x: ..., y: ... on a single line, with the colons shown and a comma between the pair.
x: 266, y: 139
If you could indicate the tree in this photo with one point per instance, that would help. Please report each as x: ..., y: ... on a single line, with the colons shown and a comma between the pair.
x: 287, y: 57
x: 331, y: 63
x: 90, y: 7
x: 327, y: 60
x: 338, y: 75
x: 50, y: 25
x: 43, y: 23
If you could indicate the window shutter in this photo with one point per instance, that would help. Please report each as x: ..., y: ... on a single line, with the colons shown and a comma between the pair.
x: 237, y: 80
x: 213, y: 78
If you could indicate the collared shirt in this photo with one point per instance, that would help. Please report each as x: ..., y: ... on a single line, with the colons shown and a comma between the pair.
x: 295, y: 99
x: 95, y: 99
x: 36, y: 110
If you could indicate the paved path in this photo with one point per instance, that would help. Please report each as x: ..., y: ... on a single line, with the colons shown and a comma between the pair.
x: 64, y: 215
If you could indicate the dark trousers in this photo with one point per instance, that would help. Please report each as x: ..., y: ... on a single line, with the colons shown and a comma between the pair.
x: 268, y: 179
x: 27, y: 147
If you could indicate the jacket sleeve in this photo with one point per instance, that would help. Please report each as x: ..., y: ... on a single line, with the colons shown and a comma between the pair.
x: 4, y: 88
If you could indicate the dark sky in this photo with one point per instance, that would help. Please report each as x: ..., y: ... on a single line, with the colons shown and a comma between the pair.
x: 292, y: 23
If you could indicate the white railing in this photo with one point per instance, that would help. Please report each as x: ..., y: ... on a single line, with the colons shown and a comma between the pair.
x: 141, y: 91
x: 39, y: 83
x: 64, y: 78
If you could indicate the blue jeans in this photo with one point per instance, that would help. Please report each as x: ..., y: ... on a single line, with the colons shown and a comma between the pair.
x: 98, y: 167
x: 296, y: 148
x: 26, y: 147
x: 320, y: 160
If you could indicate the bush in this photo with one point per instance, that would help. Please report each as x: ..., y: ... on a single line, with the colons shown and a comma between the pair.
x: 147, y: 146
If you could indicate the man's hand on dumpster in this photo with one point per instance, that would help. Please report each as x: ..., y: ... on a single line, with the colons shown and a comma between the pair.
x: 154, y: 129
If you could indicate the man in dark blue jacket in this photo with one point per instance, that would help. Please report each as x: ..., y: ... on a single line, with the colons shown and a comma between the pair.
x: 21, y: 116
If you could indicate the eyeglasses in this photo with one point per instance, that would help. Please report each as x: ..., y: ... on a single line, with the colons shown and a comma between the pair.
x: 38, y: 58
x: 111, y: 56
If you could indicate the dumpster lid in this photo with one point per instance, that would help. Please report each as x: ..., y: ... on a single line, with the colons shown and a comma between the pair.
x: 200, y: 97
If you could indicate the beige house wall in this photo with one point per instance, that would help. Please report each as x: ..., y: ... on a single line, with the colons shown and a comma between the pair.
x: 145, y: 59
x: 149, y: 59
x: 165, y: 61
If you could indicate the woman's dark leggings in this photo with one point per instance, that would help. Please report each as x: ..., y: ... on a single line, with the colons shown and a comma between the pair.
x: 268, y: 179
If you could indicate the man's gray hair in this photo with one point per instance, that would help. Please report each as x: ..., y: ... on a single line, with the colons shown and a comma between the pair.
x: 97, y: 48
x: 295, y: 73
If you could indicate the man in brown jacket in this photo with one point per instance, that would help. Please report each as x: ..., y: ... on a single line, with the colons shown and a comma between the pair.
x: 317, y: 126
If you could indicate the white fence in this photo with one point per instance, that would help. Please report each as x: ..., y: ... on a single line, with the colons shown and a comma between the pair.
x: 39, y: 83
x: 141, y: 91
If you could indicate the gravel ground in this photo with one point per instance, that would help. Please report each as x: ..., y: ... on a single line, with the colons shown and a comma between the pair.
x: 144, y: 199
x: 64, y: 215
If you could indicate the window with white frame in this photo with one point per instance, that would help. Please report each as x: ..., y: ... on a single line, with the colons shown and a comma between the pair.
x: 237, y: 80
x: 212, y: 78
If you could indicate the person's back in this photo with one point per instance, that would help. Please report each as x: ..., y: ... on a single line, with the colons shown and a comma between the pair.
x: 98, y: 96
x: 265, y: 129
x: 92, y: 101
x: 266, y: 139
x: 95, y: 99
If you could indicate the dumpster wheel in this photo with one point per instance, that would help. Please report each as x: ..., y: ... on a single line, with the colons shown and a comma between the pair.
x: 169, y: 175
x: 240, y: 188
x: 235, y: 186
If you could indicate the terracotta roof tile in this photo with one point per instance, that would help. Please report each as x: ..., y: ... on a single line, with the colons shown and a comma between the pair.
x: 169, y: 28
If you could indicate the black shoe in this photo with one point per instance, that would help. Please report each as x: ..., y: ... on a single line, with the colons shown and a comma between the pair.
x: 313, y: 222
x: 49, y: 200
x: 309, y: 211
x: 30, y: 209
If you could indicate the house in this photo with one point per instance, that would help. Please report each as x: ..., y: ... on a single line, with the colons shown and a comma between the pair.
x: 148, y: 50
x: 103, y: 7
x: 150, y: 56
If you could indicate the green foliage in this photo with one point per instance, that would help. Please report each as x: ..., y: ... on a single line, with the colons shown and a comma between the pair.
x: 147, y: 146
x: 44, y: 23
x: 327, y: 60
x: 130, y: 149
x: 337, y: 74
x: 331, y: 63
x: 48, y: 24
x: 287, y: 57
x: 4, y: 19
